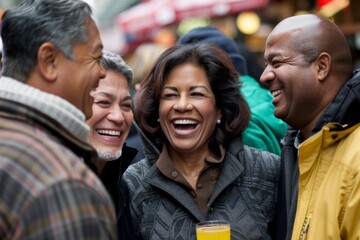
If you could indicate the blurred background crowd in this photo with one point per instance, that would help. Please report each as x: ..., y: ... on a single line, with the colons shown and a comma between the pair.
x: 127, y: 24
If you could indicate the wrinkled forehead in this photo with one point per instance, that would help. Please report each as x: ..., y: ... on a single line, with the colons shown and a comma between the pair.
x: 305, y: 24
x: 294, y: 30
x: 278, y: 41
x: 280, y: 44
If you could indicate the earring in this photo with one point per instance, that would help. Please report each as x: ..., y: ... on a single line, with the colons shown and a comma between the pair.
x: 218, y: 121
x: 158, y: 119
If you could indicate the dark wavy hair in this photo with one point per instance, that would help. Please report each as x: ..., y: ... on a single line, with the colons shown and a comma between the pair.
x: 223, y: 80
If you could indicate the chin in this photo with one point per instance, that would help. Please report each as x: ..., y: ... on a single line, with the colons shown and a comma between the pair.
x: 109, y: 155
x: 183, y: 148
x: 279, y: 114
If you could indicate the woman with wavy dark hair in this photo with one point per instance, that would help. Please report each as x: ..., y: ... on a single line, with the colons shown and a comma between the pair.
x: 192, y: 116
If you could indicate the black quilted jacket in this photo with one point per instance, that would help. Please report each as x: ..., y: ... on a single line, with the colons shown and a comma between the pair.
x: 154, y: 207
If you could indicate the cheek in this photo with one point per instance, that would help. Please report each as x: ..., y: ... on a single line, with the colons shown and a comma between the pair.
x: 90, y: 76
x: 92, y: 137
x: 164, y: 108
x: 301, y: 86
x: 98, y: 114
x: 207, y: 109
x: 129, y: 117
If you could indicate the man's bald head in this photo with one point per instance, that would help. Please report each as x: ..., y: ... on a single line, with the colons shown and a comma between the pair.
x: 307, y: 61
x: 311, y: 34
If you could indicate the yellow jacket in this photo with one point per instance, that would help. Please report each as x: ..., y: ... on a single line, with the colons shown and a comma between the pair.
x: 329, y: 185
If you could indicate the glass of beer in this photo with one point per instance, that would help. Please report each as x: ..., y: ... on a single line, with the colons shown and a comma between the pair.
x: 213, y: 230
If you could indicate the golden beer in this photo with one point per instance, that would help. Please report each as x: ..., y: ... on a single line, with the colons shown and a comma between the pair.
x: 213, y: 230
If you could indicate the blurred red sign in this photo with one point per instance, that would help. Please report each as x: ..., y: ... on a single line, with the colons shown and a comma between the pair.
x: 137, y: 22
x: 322, y: 3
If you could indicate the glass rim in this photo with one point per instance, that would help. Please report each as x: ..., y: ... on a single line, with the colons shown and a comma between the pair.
x: 212, y: 223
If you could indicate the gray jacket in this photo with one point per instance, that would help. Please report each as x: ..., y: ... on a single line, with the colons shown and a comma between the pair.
x: 154, y: 207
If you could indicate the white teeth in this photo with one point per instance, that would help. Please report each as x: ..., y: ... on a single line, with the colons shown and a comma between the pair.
x: 109, y: 132
x: 185, y: 121
x: 276, y: 93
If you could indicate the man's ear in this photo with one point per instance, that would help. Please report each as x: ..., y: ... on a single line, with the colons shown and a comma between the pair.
x: 47, y: 61
x: 323, y: 62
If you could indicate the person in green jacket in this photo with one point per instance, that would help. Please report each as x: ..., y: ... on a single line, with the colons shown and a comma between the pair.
x: 265, y: 130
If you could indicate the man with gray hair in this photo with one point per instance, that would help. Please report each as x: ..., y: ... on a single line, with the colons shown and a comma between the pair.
x: 51, y: 62
x: 111, y: 122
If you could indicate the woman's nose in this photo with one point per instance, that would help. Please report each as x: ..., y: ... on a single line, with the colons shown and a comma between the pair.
x: 183, y: 104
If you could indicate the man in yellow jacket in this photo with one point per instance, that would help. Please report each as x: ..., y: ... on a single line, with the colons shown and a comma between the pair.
x: 310, y: 75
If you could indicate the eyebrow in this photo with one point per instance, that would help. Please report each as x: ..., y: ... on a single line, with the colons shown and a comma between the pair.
x: 272, y: 56
x: 191, y: 88
x: 127, y: 98
x: 98, y: 49
x: 108, y: 95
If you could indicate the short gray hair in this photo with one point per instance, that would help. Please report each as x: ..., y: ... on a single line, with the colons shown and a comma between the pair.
x: 114, y: 62
x: 34, y: 22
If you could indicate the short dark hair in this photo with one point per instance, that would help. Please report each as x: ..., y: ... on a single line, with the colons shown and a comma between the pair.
x: 224, y: 82
x: 34, y: 22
